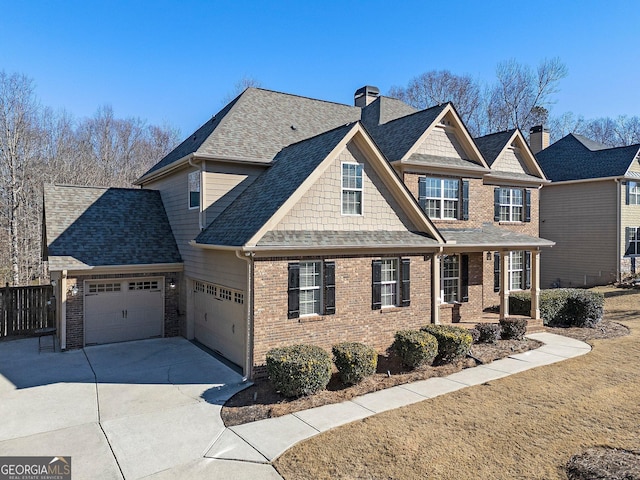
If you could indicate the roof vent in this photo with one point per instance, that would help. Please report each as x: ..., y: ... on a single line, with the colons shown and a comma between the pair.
x: 293, y: 127
x: 365, y: 95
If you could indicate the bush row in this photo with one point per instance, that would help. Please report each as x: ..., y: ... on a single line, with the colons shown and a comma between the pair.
x: 507, y: 329
x: 562, y: 307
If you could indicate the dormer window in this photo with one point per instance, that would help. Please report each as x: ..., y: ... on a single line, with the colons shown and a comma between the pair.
x: 351, y: 189
x: 194, y: 189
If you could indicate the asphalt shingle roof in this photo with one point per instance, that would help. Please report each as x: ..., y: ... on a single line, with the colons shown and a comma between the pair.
x: 396, y: 137
x: 259, y: 202
x: 492, y: 236
x: 491, y: 145
x: 92, y: 226
x: 344, y: 239
x: 259, y: 123
x: 571, y: 159
x: 447, y: 162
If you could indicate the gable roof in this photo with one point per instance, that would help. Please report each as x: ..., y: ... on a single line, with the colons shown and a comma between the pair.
x: 257, y: 124
x: 86, y: 227
x: 492, y: 146
x: 571, y: 158
x: 246, y: 220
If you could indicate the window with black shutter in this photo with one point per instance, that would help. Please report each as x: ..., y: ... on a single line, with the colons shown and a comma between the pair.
x: 496, y: 272
x: 311, y: 289
x: 444, y: 198
x: 511, y: 204
x: 294, y: 290
x: 464, y: 278
x: 376, y: 284
x: 405, y: 289
x: 329, y: 288
x: 464, y: 215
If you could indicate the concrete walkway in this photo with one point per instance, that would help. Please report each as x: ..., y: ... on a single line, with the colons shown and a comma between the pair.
x: 151, y: 409
x: 265, y: 440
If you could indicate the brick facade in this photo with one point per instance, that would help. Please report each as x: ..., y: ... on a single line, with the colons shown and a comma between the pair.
x: 174, y: 322
x: 354, y: 319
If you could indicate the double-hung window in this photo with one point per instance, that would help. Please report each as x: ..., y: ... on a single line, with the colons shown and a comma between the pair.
x: 440, y: 197
x: 633, y: 193
x: 512, y: 204
x: 632, y: 241
x: 351, y: 189
x: 450, y: 281
x: 194, y: 189
x: 391, y: 285
x: 519, y: 270
x: 311, y: 289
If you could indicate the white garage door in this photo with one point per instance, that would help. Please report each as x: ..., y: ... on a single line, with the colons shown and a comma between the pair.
x: 120, y: 310
x: 220, y: 321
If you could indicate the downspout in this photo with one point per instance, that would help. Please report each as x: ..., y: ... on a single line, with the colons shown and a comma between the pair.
x: 200, y: 208
x: 435, y: 286
x: 619, y: 228
x: 248, y: 361
x: 63, y: 310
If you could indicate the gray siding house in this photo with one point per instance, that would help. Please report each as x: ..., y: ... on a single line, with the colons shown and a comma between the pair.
x: 591, y: 210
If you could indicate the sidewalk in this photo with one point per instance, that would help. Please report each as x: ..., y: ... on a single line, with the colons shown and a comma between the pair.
x: 263, y: 441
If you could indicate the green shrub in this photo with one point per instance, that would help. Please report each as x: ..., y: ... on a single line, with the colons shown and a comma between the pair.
x: 354, y: 361
x: 299, y: 369
x: 513, y: 328
x: 562, y: 307
x: 453, y: 342
x: 415, y: 348
x: 489, y: 332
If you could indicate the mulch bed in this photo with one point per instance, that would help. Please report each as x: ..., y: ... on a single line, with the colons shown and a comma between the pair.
x: 602, y: 463
x: 605, y: 329
x: 261, y: 401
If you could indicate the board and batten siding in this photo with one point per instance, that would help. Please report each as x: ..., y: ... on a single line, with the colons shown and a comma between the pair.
x: 582, y: 219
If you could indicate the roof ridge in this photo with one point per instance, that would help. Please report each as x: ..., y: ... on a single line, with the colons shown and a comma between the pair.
x: 441, y: 106
x: 96, y: 187
x: 502, y: 132
x: 304, y: 97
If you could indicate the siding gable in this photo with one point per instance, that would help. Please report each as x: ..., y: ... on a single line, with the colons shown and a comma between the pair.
x: 443, y: 142
x: 635, y: 165
x: 320, y: 207
x: 511, y: 160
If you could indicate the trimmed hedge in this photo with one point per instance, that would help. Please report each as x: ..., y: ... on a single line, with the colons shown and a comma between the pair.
x: 415, y: 348
x: 453, y: 342
x: 513, y: 328
x: 489, y: 332
x: 354, y: 361
x: 562, y: 307
x: 299, y: 369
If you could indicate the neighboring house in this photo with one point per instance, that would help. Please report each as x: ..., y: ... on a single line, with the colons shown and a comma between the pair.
x: 304, y: 221
x: 591, y: 210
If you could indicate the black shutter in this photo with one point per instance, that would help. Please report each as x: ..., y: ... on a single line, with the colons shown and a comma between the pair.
x: 496, y: 204
x: 405, y: 275
x: 628, y: 187
x: 329, y: 288
x: 376, y: 284
x: 464, y: 278
x: 496, y: 272
x: 465, y: 200
x: 527, y: 205
x: 527, y: 270
x: 630, y: 248
x: 294, y: 290
x: 422, y: 193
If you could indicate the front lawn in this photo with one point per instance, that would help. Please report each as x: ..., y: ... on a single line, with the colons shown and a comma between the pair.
x: 523, y: 426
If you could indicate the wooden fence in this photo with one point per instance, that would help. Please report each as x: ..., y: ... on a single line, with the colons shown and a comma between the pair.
x: 25, y: 309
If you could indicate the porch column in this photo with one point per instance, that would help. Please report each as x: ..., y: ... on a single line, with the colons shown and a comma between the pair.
x: 435, y: 289
x: 504, y: 285
x: 535, y: 284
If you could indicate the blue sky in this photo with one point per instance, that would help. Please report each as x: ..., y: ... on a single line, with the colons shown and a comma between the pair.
x: 175, y: 61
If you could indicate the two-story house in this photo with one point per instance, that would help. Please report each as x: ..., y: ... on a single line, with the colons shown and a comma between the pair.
x: 286, y: 219
x: 591, y: 210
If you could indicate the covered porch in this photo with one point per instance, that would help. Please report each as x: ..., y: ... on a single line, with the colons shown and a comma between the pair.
x: 476, y: 271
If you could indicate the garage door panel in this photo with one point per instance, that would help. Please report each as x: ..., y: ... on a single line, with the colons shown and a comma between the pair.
x: 219, y: 320
x: 121, y: 310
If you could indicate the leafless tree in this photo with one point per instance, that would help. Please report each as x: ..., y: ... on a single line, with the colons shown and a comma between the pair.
x: 240, y: 86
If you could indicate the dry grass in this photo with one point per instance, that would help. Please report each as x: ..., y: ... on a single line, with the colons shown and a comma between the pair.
x: 523, y: 426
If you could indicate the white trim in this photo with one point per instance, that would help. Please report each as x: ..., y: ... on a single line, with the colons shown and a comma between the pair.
x: 442, y: 278
x: 396, y: 271
x: 442, y: 198
x: 125, y: 269
x: 319, y: 286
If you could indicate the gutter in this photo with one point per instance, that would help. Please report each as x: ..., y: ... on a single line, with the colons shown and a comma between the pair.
x: 310, y: 249
x: 248, y: 363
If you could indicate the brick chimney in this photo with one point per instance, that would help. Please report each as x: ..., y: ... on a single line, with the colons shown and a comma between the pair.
x: 538, y: 138
x: 365, y: 95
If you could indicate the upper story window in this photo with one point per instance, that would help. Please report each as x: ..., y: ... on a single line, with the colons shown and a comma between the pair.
x: 444, y: 198
x: 512, y: 204
x: 194, y: 189
x: 633, y: 193
x: 351, y: 189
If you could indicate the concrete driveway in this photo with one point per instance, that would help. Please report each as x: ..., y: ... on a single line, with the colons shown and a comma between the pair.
x: 127, y: 410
